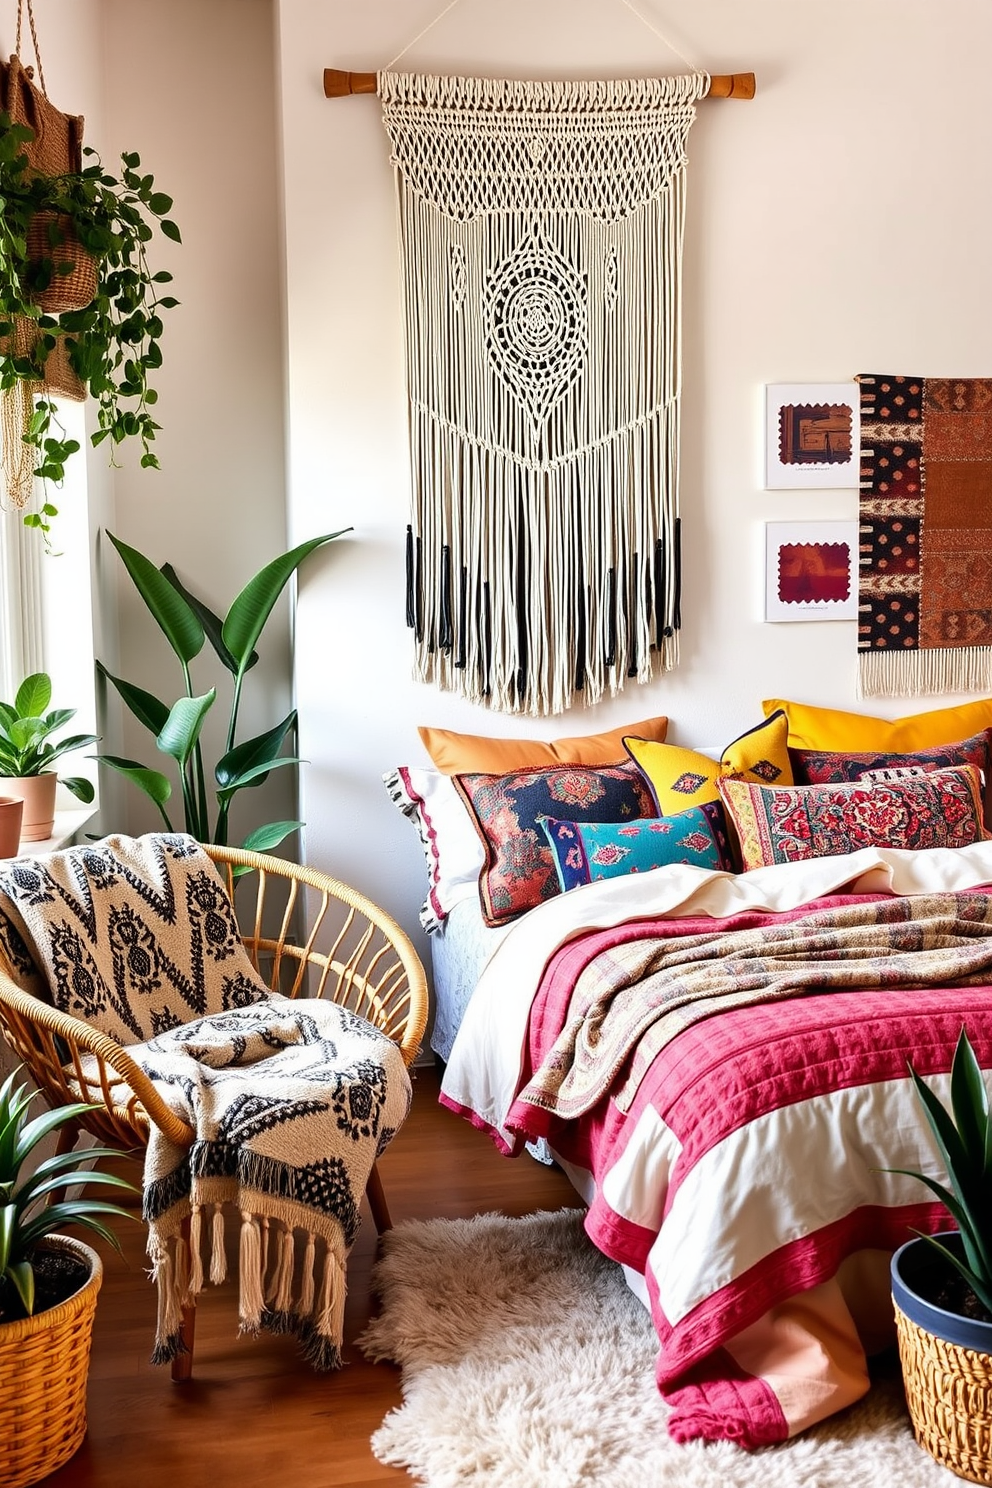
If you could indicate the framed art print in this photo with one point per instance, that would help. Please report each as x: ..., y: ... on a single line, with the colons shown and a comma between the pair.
x: 811, y: 570
x: 812, y: 435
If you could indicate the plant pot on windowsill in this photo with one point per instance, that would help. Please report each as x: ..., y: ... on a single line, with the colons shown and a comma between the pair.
x: 27, y: 754
x: 946, y: 1360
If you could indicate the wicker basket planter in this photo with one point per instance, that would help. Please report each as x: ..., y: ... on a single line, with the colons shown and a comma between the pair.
x: 44, y: 1365
x: 946, y: 1367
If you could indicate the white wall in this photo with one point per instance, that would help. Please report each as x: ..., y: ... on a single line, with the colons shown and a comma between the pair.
x: 192, y: 88
x: 837, y: 224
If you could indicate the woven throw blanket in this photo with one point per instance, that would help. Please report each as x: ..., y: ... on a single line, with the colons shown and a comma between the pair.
x: 290, y: 1102
x: 541, y: 229
x: 925, y: 591
x: 632, y: 999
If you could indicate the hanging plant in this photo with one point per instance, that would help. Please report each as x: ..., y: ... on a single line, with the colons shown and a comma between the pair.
x: 80, y: 227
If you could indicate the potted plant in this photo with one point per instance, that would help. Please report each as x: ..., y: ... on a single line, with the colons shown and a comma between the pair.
x: 187, y: 623
x: 27, y: 753
x: 48, y: 1287
x: 942, y: 1284
x: 110, y: 345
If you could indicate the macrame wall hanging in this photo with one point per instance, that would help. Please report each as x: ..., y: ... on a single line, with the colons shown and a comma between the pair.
x: 541, y: 228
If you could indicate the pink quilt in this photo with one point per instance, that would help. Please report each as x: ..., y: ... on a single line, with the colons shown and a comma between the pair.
x: 748, y: 1167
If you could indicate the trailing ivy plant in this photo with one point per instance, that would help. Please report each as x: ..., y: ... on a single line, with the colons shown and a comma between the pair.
x: 113, y: 343
x: 186, y: 622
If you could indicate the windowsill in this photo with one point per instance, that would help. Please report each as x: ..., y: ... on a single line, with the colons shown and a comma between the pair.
x: 68, y: 823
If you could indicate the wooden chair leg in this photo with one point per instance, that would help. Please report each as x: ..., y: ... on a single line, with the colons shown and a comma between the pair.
x: 377, y: 1201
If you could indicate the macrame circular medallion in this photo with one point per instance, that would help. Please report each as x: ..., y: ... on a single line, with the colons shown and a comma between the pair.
x: 536, y: 325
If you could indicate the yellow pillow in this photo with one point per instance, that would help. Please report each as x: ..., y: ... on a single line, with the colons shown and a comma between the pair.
x: 827, y: 728
x: 680, y: 778
x: 475, y: 754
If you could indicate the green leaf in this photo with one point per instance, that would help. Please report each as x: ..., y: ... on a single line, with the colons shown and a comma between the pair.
x: 258, y: 751
x: 211, y: 623
x: 248, y: 777
x: 970, y: 1102
x: 21, y: 1274
x: 79, y: 786
x: 159, y: 203
x: 174, y: 617
x: 171, y: 230
x: 48, y: 1121
x: 182, y: 727
x: 154, y: 784
x: 147, y: 709
x: 33, y: 695
x: 247, y: 616
x: 262, y: 839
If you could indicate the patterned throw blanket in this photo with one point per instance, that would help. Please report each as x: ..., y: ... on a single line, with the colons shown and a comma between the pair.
x: 291, y: 1101
x: 631, y: 999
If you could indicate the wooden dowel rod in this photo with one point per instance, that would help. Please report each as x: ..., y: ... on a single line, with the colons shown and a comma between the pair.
x: 338, y: 84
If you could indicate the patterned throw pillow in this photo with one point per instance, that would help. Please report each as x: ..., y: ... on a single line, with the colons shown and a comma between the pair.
x: 519, y: 869
x: 587, y: 851
x: 682, y: 777
x: 793, y: 824
x: 832, y: 767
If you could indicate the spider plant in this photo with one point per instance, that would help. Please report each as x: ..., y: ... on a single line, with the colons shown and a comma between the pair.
x: 186, y: 622
x: 26, y: 1215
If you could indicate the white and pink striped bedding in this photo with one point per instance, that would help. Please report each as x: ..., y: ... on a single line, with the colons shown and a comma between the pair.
x: 748, y: 1171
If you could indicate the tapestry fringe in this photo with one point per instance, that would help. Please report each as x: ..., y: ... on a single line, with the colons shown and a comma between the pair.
x: 923, y: 672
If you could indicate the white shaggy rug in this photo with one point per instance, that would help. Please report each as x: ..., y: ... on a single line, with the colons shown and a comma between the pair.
x: 527, y: 1363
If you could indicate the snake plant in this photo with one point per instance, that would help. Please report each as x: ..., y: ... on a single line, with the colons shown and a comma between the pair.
x: 186, y: 622
x: 26, y: 1215
x: 964, y: 1137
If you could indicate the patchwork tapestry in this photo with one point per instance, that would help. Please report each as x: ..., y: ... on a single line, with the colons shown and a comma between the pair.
x: 541, y: 230
x: 925, y: 592
x: 290, y: 1101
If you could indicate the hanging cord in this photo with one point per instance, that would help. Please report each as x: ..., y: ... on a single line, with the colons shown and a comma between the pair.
x: 34, y: 39
x: 430, y: 26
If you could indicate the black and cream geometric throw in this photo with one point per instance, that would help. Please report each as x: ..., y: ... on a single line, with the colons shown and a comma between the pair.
x: 291, y: 1101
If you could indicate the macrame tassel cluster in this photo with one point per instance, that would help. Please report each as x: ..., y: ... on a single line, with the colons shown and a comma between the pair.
x: 267, y: 1282
x: 541, y: 228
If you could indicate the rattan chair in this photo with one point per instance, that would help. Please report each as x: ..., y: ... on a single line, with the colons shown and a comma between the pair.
x: 351, y: 952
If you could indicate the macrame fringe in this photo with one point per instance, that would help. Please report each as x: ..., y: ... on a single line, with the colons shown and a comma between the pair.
x: 17, y: 458
x: 924, y: 672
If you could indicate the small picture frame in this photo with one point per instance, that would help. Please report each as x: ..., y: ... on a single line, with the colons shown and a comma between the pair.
x: 811, y: 571
x: 812, y: 435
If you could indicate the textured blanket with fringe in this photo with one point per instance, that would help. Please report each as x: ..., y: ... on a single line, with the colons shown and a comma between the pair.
x: 291, y: 1102
x: 925, y: 590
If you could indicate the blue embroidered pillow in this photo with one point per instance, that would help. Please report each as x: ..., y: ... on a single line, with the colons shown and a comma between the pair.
x: 587, y: 851
x: 519, y: 870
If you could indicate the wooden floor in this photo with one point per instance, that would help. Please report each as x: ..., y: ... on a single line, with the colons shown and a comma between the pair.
x: 254, y: 1414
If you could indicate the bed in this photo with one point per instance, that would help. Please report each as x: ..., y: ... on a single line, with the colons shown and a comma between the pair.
x: 736, y: 1164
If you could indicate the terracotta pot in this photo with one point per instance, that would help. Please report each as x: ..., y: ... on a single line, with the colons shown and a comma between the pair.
x: 38, y: 794
x: 11, y: 811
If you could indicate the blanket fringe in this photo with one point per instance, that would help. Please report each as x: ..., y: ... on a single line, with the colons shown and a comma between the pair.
x: 251, y: 1301
x: 195, y: 1258
x: 307, y: 1284
x: 218, y: 1255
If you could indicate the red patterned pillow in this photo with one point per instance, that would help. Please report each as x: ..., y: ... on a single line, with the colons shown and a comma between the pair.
x: 790, y: 824
x: 519, y: 870
x: 832, y: 767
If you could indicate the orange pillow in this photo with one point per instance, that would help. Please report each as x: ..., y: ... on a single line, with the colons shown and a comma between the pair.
x: 830, y: 729
x: 475, y: 754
